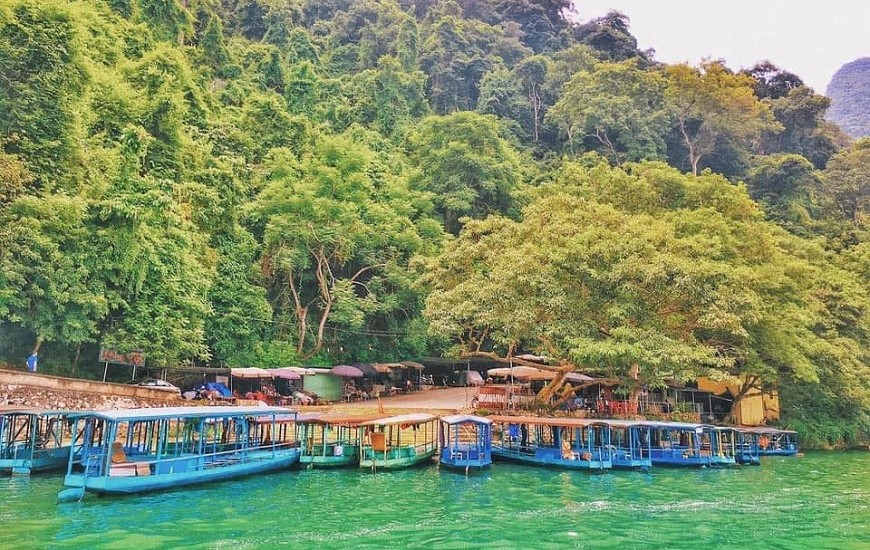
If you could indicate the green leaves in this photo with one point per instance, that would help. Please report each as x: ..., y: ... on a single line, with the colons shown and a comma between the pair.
x: 337, y: 234
x: 711, y: 103
x: 617, y: 105
x: 463, y: 159
x: 684, y: 279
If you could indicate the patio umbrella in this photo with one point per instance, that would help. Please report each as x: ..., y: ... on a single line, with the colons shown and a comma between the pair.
x: 250, y: 372
x: 286, y: 374
x: 367, y: 369
x: 346, y: 371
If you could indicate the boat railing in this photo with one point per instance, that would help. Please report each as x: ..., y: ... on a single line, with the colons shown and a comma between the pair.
x: 93, y: 460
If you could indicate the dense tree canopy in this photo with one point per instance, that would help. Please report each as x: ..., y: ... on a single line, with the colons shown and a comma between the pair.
x: 266, y: 182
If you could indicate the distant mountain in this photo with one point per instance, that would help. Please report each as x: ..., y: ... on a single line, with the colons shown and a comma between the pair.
x: 849, y: 91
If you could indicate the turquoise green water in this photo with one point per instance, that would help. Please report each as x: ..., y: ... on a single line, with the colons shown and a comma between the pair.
x: 819, y: 501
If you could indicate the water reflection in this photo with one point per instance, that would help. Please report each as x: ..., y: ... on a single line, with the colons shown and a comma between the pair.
x: 818, y: 501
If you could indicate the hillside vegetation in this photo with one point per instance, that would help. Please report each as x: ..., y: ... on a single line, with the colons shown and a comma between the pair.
x: 849, y: 91
x: 274, y: 182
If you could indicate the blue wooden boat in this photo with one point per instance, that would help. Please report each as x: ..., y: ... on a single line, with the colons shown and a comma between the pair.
x: 139, y: 450
x: 568, y: 443
x: 747, y: 447
x: 330, y: 440
x: 465, y: 442
x: 630, y: 444
x: 398, y: 442
x: 772, y: 441
x: 33, y: 440
x: 723, y: 445
x: 681, y: 444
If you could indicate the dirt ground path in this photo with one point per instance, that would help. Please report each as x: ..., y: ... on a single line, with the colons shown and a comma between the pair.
x: 440, y: 401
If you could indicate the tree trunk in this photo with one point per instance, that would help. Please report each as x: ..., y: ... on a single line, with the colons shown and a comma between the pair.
x: 301, y: 314
x: 690, y: 145
x: 605, y: 140
x: 748, y: 384
x: 75, y: 364
x: 694, y: 159
x: 536, y: 103
x: 634, y: 373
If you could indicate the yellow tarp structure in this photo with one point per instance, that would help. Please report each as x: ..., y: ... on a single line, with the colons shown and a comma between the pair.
x: 755, y: 409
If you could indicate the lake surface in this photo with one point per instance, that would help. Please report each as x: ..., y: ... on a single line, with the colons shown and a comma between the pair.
x: 819, y: 501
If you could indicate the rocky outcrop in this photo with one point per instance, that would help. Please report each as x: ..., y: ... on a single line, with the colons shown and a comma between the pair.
x: 849, y: 91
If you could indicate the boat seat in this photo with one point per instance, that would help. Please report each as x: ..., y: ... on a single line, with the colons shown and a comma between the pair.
x: 122, y: 467
x: 379, y: 442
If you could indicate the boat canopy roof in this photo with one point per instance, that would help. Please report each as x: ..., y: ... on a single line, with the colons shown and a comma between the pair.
x: 38, y: 412
x: 403, y: 419
x: 337, y: 419
x: 465, y: 419
x: 278, y: 418
x: 662, y: 425
x: 622, y: 423
x: 564, y: 422
x: 763, y: 430
x: 183, y: 412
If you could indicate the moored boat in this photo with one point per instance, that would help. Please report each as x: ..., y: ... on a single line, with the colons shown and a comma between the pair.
x: 465, y: 442
x: 139, y: 450
x: 570, y: 443
x: 723, y: 446
x: 330, y: 440
x: 681, y: 443
x: 771, y: 441
x: 630, y: 444
x: 746, y: 447
x: 398, y: 441
x: 33, y: 440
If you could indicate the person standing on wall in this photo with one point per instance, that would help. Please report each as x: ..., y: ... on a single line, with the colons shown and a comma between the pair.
x: 31, y: 362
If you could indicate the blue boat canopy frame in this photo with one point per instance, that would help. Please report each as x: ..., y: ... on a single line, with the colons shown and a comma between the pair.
x: 465, y: 442
x: 33, y: 440
x: 137, y: 450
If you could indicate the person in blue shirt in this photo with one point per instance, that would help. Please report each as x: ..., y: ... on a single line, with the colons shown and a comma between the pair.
x: 31, y: 362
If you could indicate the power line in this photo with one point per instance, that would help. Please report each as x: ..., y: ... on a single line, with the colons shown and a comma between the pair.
x: 365, y: 332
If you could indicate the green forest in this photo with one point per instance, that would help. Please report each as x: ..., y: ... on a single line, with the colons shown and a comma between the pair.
x: 277, y: 182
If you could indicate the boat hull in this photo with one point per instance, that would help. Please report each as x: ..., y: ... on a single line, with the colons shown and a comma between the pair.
x: 379, y: 462
x: 631, y: 463
x: 551, y: 462
x: 47, y: 461
x: 329, y: 461
x: 779, y: 452
x: 748, y: 459
x: 464, y: 457
x: 123, y: 485
x: 460, y: 464
x: 680, y: 458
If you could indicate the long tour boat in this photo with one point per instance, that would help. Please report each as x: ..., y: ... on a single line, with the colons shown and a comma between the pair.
x: 724, y: 446
x: 330, y: 440
x: 771, y: 441
x: 746, y: 447
x: 139, y: 450
x: 686, y: 444
x: 465, y: 442
x: 570, y: 443
x: 33, y: 440
x: 398, y: 441
x: 629, y: 444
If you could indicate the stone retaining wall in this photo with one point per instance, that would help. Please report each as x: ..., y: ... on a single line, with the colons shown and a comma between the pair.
x: 22, y: 389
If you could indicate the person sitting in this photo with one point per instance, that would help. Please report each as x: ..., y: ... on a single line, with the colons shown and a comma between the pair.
x: 567, y: 454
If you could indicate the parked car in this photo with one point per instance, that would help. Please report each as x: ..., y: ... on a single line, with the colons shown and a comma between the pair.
x: 161, y: 385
